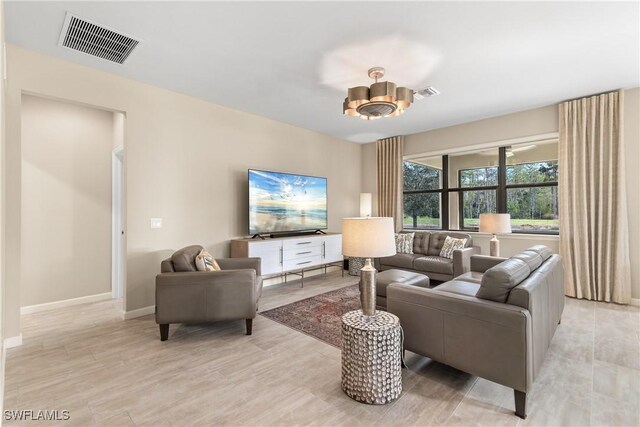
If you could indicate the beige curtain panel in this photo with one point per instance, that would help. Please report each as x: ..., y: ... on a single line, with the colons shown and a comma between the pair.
x: 594, y: 237
x: 389, y: 155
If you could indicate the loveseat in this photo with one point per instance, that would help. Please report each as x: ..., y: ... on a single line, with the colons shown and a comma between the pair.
x: 426, y: 257
x: 495, y: 321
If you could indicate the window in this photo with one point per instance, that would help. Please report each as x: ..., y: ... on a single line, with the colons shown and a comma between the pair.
x: 422, y: 193
x: 454, y: 190
x: 532, y: 187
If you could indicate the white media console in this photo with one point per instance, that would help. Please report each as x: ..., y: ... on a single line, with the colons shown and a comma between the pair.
x: 283, y: 255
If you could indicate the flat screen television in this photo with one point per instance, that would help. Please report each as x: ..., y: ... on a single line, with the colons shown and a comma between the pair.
x: 284, y: 202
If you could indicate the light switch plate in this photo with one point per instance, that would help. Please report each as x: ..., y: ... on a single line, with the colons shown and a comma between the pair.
x: 155, y: 222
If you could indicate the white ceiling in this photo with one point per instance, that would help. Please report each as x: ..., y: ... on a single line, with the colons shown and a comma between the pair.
x: 292, y: 62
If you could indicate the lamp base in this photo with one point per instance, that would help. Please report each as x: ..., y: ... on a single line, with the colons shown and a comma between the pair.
x: 368, y: 288
x: 494, y: 246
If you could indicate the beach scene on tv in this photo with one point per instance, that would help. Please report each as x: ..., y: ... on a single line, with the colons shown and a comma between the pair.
x: 281, y: 202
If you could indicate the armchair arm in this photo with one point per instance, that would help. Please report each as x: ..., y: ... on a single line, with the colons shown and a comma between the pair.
x: 482, y: 263
x: 462, y: 260
x: 240, y: 263
x: 484, y: 338
x: 193, y: 297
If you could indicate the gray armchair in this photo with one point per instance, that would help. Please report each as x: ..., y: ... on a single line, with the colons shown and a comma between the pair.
x: 185, y: 295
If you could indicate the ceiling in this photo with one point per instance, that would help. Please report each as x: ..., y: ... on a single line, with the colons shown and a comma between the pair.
x: 293, y: 62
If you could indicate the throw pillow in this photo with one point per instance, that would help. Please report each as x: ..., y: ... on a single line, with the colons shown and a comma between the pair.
x: 404, y: 243
x: 206, y: 262
x: 450, y: 245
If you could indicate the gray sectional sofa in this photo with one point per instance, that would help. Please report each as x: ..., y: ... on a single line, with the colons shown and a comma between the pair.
x: 495, y: 321
x: 426, y: 257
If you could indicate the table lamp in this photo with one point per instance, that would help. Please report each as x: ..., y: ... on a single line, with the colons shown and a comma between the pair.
x: 370, y: 237
x: 495, y: 224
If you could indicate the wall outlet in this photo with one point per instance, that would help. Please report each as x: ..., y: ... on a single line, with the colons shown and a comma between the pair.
x: 155, y: 222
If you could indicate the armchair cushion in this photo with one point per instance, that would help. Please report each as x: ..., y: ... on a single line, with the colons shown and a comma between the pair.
x: 185, y: 259
x: 206, y: 262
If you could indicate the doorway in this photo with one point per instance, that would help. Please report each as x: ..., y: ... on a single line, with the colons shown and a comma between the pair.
x: 118, y: 241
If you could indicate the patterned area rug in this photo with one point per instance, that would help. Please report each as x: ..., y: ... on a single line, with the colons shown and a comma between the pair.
x: 318, y: 316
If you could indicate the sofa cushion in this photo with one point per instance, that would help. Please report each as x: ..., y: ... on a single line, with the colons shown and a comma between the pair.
x: 471, y: 276
x: 385, y: 278
x: 459, y: 287
x: 544, y: 251
x: 533, y: 259
x: 437, y: 238
x: 399, y: 260
x: 450, y: 245
x: 498, y: 281
x: 434, y: 264
x: 404, y: 243
x: 421, y: 242
x: 185, y: 259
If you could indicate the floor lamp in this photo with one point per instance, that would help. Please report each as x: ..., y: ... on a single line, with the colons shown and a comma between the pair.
x: 495, y: 224
x: 370, y: 237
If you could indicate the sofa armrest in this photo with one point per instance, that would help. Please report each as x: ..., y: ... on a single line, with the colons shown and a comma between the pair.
x: 240, y: 263
x: 482, y: 263
x: 462, y: 259
x: 193, y: 297
x: 484, y: 338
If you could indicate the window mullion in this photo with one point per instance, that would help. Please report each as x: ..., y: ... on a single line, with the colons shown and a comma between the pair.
x: 501, y: 196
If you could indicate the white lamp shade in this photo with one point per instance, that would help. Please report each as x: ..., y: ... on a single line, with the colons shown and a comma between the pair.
x: 365, y: 204
x: 370, y: 237
x: 495, y: 223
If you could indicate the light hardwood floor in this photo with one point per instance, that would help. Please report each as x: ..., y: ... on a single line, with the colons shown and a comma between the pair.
x: 106, y: 371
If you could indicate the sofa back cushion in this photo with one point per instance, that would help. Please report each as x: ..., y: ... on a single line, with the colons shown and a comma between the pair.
x: 437, y: 238
x: 421, y: 242
x: 185, y: 259
x: 544, y: 251
x: 531, y: 258
x: 498, y: 281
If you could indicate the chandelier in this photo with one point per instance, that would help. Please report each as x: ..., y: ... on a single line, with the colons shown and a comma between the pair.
x: 382, y: 99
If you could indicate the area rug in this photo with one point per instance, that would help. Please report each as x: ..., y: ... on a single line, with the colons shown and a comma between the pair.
x: 318, y: 316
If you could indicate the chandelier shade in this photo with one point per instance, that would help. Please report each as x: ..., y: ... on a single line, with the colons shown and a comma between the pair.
x: 382, y: 99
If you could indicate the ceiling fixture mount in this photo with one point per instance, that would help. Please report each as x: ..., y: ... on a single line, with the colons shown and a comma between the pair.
x: 382, y: 99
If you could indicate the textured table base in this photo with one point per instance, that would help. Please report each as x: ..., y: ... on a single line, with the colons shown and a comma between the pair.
x: 371, y: 357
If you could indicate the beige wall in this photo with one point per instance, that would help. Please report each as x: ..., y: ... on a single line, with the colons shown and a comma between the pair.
x: 66, y: 200
x: 524, y: 124
x: 186, y: 162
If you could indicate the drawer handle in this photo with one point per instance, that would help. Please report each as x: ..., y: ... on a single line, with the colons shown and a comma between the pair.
x: 302, y: 263
x: 303, y: 243
x: 303, y: 253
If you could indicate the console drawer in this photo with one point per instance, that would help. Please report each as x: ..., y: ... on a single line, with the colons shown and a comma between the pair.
x: 300, y: 263
x: 302, y: 242
x: 302, y: 252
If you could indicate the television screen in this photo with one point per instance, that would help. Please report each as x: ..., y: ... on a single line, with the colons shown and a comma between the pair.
x: 280, y: 202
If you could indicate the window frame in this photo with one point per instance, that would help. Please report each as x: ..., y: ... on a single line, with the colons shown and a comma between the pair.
x: 500, y: 189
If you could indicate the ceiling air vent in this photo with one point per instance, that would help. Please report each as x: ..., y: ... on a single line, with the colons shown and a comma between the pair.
x: 423, y: 93
x: 94, y: 39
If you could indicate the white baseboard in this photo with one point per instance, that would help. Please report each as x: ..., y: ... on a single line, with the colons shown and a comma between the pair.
x: 64, y: 303
x: 13, y: 341
x: 144, y: 311
x: 635, y: 301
